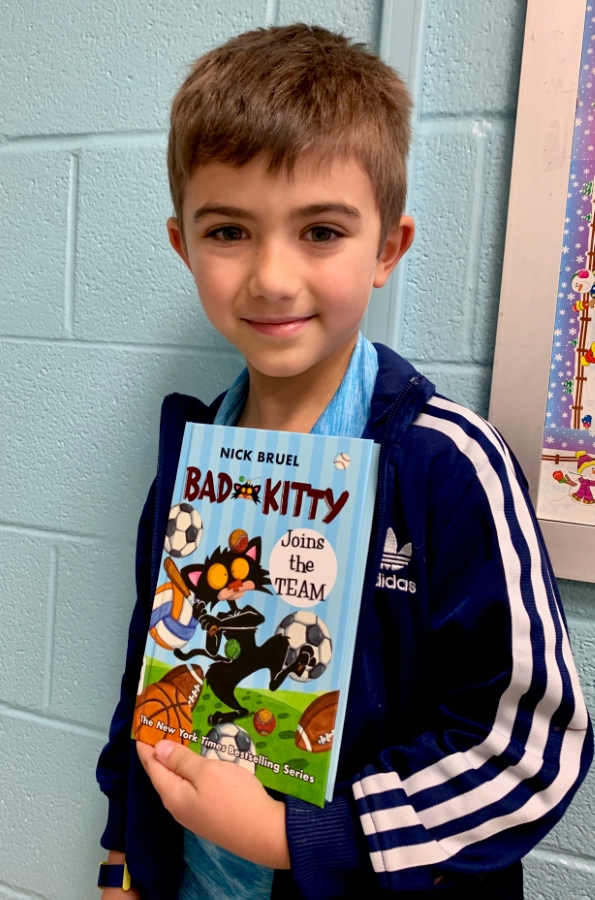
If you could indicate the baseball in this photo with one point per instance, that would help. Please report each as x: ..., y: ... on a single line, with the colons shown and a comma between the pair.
x: 342, y: 461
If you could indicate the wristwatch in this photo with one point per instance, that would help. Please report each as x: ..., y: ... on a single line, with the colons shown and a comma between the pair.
x: 113, y: 875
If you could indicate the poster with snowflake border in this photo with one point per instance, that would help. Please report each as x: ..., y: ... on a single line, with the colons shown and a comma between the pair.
x: 567, y: 482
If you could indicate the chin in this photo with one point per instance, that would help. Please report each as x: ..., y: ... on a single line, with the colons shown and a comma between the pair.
x: 285, y: 363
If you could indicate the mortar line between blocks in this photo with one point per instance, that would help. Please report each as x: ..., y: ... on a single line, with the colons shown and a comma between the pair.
x: 93, y: 140
x: 272, y: 12
x: 564, y: 857
x: 53, y: 534
x: 7, y: 890
x: 46, y: 721
x: 127, y: 346
x: 71, y: 237
x: 50, y: 626
x: 477, y: 222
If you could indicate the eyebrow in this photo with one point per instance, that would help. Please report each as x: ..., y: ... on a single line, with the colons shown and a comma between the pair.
x: 231, y: 212
x: 302, y: 212
x: 318, y: 209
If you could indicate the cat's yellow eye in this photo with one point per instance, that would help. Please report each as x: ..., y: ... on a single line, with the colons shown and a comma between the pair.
x: 240, y: 568
x: 217, y: 576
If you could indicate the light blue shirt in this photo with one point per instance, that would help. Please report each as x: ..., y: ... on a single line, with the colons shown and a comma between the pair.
x: 213, y: 873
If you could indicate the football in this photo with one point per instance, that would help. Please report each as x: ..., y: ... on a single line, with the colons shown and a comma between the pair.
x: 230, y: 743
x: 316, y: 726
x: 183, y: 531
x: 305, y: 629
x: 189, y: 678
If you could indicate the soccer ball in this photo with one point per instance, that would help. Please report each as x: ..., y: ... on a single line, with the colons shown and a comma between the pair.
x: 302, y: 628
x: 227, y: 741
x: 183, y: 531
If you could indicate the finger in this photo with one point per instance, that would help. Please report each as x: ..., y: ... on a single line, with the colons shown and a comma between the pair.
x: 145, y: 752
x: 172, y: 788
x: 184, y: 762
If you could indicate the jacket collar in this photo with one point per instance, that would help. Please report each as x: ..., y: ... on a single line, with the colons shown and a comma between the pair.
x: 400, y: 393
x: 397, y: 382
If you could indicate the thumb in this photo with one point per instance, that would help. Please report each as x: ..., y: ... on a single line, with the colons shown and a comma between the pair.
x: 178, y: 759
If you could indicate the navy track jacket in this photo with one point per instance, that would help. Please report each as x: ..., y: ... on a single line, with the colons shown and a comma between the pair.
x: 466, y: 733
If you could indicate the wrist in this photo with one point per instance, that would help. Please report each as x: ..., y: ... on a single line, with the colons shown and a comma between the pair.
x: 114, y: 873
x: 279, y: 848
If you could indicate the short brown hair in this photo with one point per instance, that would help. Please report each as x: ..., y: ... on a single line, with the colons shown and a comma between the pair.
x: 281, y: 91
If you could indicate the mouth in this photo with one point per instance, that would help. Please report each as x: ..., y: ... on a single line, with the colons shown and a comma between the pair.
x: 281, y: 326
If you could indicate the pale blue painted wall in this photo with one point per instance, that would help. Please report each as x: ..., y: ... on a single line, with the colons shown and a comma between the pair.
x: 98, y: 321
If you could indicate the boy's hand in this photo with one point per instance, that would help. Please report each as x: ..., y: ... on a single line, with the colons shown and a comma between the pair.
x: 218, y: 801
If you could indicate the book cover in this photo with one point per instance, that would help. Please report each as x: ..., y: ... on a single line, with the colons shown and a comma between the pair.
x: 252, y: 633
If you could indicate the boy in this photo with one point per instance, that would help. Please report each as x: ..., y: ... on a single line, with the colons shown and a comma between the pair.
x: 466, y: 733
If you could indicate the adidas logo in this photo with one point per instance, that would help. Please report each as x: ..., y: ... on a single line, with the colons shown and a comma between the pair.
x: 394, y: 559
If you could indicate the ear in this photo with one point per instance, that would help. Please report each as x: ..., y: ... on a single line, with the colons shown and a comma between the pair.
x: 191, y: 575
x: 253, y: 549
x: 398, y: 242
x: 176, y: 239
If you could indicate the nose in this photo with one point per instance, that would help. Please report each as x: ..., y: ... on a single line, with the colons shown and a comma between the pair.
x: 273, y: 274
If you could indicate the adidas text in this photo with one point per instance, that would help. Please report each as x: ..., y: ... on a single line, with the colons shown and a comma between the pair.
x: 395, y: 584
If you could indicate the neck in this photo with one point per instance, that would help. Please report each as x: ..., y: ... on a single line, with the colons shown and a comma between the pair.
x: 295, y: 403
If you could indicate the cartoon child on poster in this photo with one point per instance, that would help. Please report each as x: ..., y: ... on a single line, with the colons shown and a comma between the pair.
x: 586, y: 465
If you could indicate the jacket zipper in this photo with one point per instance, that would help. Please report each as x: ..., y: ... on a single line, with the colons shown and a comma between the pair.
x: 370, y: 585
x: 155, y: 550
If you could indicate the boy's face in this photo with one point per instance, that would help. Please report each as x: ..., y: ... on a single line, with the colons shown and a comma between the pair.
x: 284, y: 265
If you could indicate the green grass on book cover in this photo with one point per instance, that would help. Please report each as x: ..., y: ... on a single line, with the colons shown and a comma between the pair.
x: 278, y: 750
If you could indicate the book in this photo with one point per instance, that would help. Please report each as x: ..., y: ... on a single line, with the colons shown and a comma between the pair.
x: 252, y: 633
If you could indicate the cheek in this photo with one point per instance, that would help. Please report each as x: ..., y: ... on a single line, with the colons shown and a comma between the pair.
x: 217, y: 284
x: 346, y: 290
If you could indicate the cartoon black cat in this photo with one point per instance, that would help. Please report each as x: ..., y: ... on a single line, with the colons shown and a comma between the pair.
x: 227, y: 575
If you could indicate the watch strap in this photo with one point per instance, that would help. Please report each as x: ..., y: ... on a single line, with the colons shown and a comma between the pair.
x: 114, y: 875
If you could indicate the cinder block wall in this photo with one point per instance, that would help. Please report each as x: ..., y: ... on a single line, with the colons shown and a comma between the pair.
x: 98, y: 321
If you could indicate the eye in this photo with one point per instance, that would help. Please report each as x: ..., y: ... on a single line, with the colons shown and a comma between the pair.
x: 227, y: 234
x: 240, y: 568
x: 323, y: 234
x: 217, y: 576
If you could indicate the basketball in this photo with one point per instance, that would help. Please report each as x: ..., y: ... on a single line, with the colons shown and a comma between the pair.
x: 162, y: 711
